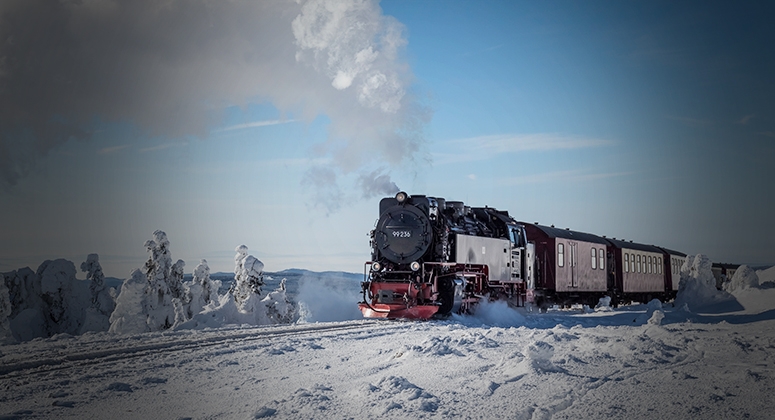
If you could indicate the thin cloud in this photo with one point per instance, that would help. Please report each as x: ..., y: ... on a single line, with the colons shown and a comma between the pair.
x: 571, y: 175
x: 161, y: 147
x: 746, y: 119
x: 767, y: 133
x: 253, y: 125
x: 692, y: 122
x: 485, y: 147
x: 114, y: 149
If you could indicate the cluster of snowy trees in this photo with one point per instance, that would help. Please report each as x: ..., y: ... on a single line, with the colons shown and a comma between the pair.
x: 53, y: 301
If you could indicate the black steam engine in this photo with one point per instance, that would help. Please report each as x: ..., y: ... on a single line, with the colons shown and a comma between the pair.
x: 431, y: 257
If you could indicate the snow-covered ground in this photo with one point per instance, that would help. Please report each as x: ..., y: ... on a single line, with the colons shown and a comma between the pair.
x: 639, y: 361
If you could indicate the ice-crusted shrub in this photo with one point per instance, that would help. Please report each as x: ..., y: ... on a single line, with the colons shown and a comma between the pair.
x: 744, y: 278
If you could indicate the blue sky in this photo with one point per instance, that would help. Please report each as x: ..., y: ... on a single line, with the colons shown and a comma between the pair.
x: 650, y: 121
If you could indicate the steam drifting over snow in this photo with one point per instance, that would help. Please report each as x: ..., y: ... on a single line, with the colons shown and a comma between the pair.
x: 177, y: 65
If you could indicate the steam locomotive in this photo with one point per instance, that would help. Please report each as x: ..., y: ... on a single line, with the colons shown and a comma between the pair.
x: 431, y: 257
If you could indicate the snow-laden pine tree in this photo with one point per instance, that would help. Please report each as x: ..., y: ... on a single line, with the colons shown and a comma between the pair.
x: 248, y: 277
x: 279, y: 308
x: 697, y: 287
x: 97, y: 316
x: 203, y: 290
x: 158, y: 268
x: 23, y: 290
x: 57, y: 279
x: 100, y: 295
x: 176, y: 280
x: 28, y: 318
x: 132, y: 305
x: 5, y: 311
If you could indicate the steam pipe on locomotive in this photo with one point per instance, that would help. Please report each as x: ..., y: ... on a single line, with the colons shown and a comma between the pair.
x: 431, y: 258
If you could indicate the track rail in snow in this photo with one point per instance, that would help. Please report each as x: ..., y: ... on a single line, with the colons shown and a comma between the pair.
x: 178, y: 343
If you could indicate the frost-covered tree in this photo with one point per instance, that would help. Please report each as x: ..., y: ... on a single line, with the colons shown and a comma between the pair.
x: 176, y: 279
x: 94, y: 274
x: 279, y: 308
x: 248, y: 276
x: 57, y: 279
x: 203, y: 290
x: 744, y: 278
x: 97, y: 316
x: 23, y: 290
x: 132, y: 305
x: 156, y: 295
x: 5, y: 311
x: 158, y: 268
x: 100, y: 295
x: 697, y: 287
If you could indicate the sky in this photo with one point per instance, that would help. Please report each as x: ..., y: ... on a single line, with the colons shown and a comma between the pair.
x: 280, y: 125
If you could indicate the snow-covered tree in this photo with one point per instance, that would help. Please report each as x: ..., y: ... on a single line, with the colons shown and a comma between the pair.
x: 279, y: 308
x: 132, y: 305
x: 157, y: 268
x: 5, y: 311
x: 176, y: 279
x: 97, y: 316
x: 697, y: 287
x: 248, y: 276
x: 147, y: 294
x: 243, y: 304
x: 744, y: 278
x: 203, y: 290
x: 100, y: 295
x: 24, y: 291
x: 158, y: 271
x: 57, y: 279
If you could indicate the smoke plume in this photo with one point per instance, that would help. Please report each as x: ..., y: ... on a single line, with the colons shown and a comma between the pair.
x: 170, y: 68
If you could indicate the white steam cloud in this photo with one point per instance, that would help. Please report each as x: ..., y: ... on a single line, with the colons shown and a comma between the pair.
x: 169, y: 67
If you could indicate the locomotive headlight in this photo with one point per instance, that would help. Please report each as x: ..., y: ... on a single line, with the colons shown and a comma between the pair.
x: 376, y: 266
x: 401, y: 197
x: 414, y: 266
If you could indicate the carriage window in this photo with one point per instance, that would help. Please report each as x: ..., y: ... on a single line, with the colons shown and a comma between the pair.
x: 594, y: 258
x: 602, y: 259
x: 638, y: 263
x: 626, y: 263
x: 560, y: 255
x: 659, y: 265
x: 651, y: 266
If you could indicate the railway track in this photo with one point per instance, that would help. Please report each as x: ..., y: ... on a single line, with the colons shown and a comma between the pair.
x: 31, y: 364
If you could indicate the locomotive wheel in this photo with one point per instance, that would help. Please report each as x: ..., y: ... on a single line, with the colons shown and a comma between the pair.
x: 446, y: 296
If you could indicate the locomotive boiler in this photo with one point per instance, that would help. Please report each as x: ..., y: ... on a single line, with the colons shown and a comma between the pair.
x: 431, y: 257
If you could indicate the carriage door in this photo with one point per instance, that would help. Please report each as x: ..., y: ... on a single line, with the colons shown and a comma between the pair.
x: 572, y: 259
x: 516, y: 255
